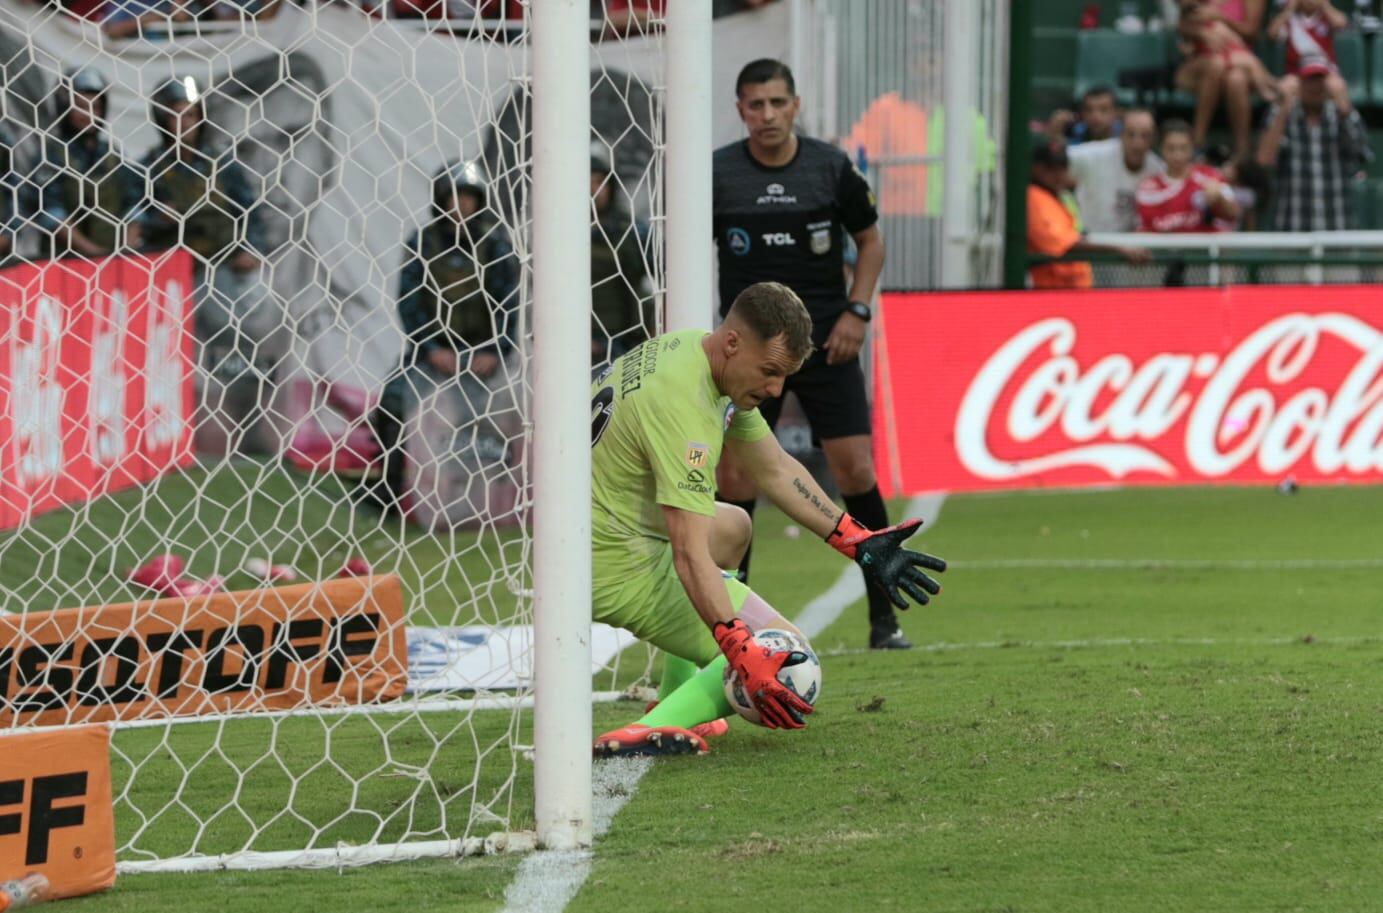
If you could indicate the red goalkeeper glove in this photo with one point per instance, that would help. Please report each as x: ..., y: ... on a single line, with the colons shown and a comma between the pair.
x: 757, y: 666
x: 886, y: 564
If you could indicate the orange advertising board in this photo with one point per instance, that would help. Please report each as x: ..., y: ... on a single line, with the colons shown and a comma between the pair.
x: 56, y: 816
x: 281, y: 648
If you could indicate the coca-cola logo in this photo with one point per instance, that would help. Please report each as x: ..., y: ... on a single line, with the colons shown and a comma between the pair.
x: 1269, y: 401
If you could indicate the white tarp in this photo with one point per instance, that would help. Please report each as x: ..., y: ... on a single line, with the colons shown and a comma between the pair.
x: 485, y: 658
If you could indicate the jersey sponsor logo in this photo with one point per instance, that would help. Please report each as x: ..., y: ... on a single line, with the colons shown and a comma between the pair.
x: 695, y: 482
x: 779, y: 239
x: 698, y: 454
x: 775, y: 193
x: 739, y: 241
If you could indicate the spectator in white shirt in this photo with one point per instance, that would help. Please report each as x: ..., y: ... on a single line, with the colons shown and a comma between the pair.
x: 1108, y: 172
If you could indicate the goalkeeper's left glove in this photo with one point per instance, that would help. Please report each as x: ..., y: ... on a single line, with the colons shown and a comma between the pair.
x: 887, y: 565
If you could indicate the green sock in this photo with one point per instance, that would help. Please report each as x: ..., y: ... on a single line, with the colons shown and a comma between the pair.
x: 676, y: 673
x: 699, y: 700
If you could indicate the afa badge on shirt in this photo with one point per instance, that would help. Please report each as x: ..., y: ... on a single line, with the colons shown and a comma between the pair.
x: 821, y: 241
x: 698, y: 454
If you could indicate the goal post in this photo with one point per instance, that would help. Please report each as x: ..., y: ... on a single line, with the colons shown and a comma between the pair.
x: 690, y: 296
x: 561, y: 433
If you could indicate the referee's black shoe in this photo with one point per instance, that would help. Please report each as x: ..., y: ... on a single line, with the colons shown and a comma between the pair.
x: 889, y: 638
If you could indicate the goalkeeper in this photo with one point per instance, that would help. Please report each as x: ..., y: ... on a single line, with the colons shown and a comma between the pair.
x: 660, y: 417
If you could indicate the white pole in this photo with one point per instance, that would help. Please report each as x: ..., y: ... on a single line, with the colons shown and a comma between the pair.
x: 961, y: 93
x: 560, y: 55
x: 690, y: 298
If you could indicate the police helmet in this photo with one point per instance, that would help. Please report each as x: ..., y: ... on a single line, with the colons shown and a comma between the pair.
x: 87, y: 81
x: 600, y: 159
x: 457, y: 176
x: 175, y: 91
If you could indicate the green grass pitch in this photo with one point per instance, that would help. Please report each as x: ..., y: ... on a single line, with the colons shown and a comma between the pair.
x: 1161, y: 700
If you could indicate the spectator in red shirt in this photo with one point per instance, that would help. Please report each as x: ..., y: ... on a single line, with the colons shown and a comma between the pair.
x: 1188, y: 197
x: 1307, y: 28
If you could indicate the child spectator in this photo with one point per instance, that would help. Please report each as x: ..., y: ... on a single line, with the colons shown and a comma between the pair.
x: 1308, y: 28
x: 1188, y: 197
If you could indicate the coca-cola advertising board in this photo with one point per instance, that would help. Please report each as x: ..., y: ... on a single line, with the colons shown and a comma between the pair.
x: 96, y: 380
x: 992, y: 390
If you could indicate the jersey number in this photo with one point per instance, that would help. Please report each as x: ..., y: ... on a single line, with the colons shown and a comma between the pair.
x: 601, y: 408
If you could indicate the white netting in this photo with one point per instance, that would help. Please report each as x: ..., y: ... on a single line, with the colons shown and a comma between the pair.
x: 285, y: 338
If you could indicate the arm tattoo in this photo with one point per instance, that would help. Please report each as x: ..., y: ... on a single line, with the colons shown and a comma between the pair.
x: 827, y: 509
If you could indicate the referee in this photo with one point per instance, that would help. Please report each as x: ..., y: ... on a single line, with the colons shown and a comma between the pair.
x: 783, y: 204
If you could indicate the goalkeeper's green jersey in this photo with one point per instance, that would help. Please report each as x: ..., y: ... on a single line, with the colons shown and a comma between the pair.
x: 658, y: 424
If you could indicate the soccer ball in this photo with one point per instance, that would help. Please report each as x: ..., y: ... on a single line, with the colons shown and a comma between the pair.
x: 803, y: 677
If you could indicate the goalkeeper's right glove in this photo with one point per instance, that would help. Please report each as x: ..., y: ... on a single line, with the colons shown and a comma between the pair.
x: 757, y: 666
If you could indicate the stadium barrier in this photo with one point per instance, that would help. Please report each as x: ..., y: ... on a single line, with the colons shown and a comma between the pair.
x: 339, y: 642
x: 56, y: 813
x: 96, y: 378
x: 995, y: 390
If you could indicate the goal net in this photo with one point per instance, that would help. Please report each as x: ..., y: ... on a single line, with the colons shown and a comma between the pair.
x: 265, y: 408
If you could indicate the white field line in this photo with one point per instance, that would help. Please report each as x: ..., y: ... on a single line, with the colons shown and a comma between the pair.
x: 1117, y: 642
x: 548, y: 879
x: 1157, y: 564
x: 821, y: 612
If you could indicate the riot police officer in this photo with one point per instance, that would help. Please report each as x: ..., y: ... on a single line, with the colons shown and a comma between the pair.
x: 202, y: 200
x: 13, y: 206
x: 621, y: 293
x: 87, y: 190
x: 458, y: 294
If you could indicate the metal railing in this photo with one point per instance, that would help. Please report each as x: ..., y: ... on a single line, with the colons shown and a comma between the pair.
x: 1250, y: 258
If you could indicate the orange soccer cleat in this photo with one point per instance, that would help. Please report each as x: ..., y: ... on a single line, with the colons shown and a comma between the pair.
x: 635, y: 741
x: 712, y: 730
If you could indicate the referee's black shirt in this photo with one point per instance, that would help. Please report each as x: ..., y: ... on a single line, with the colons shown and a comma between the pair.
x: 784, y: 224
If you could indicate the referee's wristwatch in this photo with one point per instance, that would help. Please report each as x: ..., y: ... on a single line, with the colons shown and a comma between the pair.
x: 860, y: 310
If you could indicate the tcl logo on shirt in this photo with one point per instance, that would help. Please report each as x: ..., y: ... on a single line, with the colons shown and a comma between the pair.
x: 55, y: 808
x: 779, y: 239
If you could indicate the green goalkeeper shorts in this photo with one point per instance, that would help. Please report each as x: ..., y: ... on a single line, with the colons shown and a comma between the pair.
x: 655, y: 608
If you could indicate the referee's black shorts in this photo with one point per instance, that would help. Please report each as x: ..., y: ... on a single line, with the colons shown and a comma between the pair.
x: 833, y: 396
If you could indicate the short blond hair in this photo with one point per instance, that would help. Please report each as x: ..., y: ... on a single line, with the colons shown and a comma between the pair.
x: 771, y: 309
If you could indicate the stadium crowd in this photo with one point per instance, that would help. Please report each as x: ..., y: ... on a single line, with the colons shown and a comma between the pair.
x: 1102, y: 169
